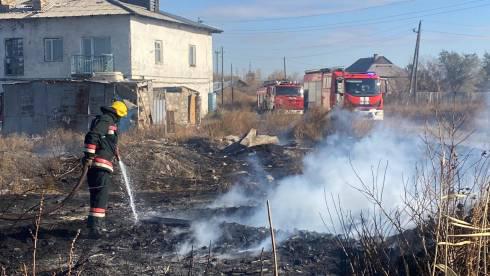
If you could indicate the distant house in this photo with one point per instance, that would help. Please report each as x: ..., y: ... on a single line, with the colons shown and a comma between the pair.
x: 127, y: 39
x: 379, y: 64
x: 396, y: 77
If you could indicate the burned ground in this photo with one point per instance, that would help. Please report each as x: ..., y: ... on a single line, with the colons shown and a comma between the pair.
x: 172, y: 180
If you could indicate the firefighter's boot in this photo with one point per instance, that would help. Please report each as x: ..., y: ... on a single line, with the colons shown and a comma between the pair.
x: 96, y: 227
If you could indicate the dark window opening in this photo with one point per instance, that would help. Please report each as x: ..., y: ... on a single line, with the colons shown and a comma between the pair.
x: 14, y: 57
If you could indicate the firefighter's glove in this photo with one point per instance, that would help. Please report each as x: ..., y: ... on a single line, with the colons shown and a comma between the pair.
x: 117, y: 154
x: 88, y: 159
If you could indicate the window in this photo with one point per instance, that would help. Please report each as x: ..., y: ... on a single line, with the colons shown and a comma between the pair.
x: 158, y: 52
x: 288, y: 91
x: 362, y: 87
x: 53, y: 49
x: 96, y: 46
x: 192, y: 55
x: 14, y: 57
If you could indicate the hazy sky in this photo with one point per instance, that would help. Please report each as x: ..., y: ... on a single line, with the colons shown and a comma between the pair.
x: 322, y: 33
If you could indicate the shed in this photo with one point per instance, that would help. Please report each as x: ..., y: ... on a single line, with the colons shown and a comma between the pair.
x: 33, y: 107
x: 182, y: 106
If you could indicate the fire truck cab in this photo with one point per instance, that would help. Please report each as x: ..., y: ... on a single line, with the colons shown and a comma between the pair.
x: 282, y: 96
x: 360, y: 92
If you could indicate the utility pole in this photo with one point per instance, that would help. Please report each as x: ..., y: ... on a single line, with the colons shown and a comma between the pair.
x: 217, y: 62
x: 232, y: 86
x: 285, y: 74
x: 222, y: 77
x: 415, y: 64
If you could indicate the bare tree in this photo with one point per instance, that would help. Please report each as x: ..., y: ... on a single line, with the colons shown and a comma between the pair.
x: 485, y: 72
x: 461, y: 71
x: 430, y: 76
x: 279, y: 75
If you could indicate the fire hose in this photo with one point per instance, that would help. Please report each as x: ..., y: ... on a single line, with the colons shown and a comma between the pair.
x: 18, y: 217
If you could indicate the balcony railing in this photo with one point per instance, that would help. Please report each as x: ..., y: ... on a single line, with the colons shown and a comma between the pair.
x: 87, y: 65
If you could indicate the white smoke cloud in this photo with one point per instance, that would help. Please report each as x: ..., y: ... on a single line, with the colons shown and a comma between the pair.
x: 298, y: 201
x: 335, y: 170
x: 203, y: 233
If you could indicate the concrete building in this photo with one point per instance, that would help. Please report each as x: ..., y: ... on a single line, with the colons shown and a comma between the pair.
x: 66, y: 39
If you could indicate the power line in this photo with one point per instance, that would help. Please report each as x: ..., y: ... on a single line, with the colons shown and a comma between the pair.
x: 457, y: 23
x: 364, y: 44
x: 340, y: 51
x: 397, y: 37
x: 457, y: 34
x: 369, y: 33
x: 295, y: 58
x: 308, y: 16
x: 357, y: 45
x: 356, y: 23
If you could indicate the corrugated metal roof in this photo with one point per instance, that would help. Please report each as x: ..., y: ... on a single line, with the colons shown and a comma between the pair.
x: 74, y: 8
x: 64, y: 8
x: 141, y: 11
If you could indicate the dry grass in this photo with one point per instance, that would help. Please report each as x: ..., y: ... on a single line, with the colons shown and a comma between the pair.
x: 229, y: 123
x: 430, y: 111
x: 278, y: 124
x: 18, y: 163
x: 242, y: 100
x: 313, y: 126
x: 33, y: 163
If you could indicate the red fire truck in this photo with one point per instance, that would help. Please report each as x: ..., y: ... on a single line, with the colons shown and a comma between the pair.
x: 283, y: 96
x: 361, y: 92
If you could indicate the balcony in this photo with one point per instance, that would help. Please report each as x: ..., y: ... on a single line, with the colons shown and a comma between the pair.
x: 87, y: 65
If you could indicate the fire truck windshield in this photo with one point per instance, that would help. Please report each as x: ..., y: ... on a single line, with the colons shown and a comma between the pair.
x: 288, y: 91
x: 362, y: 87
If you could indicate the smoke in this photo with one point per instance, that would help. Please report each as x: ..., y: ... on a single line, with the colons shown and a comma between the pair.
x: 384, y: 160
x: 383, y: 157
x: 249, y: 191
x: 203, y: 233
x: 481, y: 137
x: 335, y: 170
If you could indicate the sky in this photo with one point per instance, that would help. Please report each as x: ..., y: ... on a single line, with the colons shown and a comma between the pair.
x: 314, y: 34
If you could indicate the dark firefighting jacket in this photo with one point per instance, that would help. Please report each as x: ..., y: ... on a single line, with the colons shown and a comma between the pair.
x: 101, y: 140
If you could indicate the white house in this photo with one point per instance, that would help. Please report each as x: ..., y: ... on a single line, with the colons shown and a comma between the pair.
x: 64, y: 39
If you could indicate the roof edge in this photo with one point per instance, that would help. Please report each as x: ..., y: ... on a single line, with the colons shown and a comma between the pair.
x: 196, y: 25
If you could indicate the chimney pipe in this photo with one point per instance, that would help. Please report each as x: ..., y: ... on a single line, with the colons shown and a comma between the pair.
x: 151, y: 5
x: 39, y: 5
x: 375, y: 56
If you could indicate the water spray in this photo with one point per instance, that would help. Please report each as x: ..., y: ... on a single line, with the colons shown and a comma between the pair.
x: 127, y: 184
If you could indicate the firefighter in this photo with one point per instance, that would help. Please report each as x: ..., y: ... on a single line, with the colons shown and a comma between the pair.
x: 100, y: 153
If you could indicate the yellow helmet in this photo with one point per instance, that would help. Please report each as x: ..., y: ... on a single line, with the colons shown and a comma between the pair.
x: 120, y: 108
